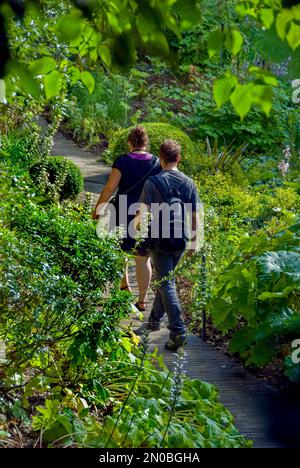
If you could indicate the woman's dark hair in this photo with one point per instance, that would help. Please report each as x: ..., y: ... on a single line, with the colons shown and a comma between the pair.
x: 169, y: 151
x: 138, y: 137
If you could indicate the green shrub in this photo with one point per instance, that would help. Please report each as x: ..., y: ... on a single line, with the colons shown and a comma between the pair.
x: 62, y: 174
x: 16, y: 148
x: 157, y: 132
x: 257, y: 295
x: 59, y: 281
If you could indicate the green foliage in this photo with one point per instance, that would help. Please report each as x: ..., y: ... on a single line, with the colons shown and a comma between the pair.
x: 292, y: 370
x: 191, y: 107
x: 54, y: 259
x: 235, y: 208
x: 231, y: 208
x: 257, y: 91
x: 224, y: 158
x: 192, y: 47
x: 63, y: 176
x: 61, y: 307
x: 89, y: 116
x: 268, y: 13
x: 158, y: 132
x: 117, y: 31
x: 243, y: 96
x: 260, y: 306
x: 229, y: 38
x: 59, y: 295
x: 60, y: 317
x: 17, y: 149
x: 63, y: 302
x: 198, y: 420
x: 274, y: 50
x: 258, y: 295
x: 103, y: 34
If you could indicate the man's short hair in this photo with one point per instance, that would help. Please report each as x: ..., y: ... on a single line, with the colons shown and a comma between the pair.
x: 169, y: 151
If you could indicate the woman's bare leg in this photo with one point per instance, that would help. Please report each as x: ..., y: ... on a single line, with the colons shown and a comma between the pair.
x: 125, y: 279
x: 143, y: 276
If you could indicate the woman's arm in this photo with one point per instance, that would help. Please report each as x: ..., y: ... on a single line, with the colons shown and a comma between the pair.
x: 109, y: 189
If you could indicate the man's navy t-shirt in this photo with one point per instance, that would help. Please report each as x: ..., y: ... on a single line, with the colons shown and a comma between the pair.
x: 176, y: 180
x: 152, y: 197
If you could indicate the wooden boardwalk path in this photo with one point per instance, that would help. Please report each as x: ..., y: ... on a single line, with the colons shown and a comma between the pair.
x: 261, y: 413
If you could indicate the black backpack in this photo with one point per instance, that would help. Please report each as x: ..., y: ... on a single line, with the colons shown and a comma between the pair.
x: 177, y: 238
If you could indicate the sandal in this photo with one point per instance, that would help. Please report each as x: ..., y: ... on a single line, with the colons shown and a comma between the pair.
x: 126, y: 288
x: 139, y: 307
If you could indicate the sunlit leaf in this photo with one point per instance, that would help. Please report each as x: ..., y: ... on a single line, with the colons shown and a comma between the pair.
x: 114, y: 23
x: 215, y: 42
x: 262, y: 95
x: 69, y: 26
x: 270, y: 295
x: 234, y: 40
x: 52, y: 84
x: 189, y: 13
x: 159, y: 45
x: 267, y: 17
x: 241, y: 98
x: 105, y: 55
x: 296, y: 11
x: 26, y: 80
x: 223, y: 87
x: 282, y: 20
x: 264, y: 75
x: 88, y: 80
x: 74, y: 74
x: 43, y: 66
x: 244, y: 9
x: 293, y: 36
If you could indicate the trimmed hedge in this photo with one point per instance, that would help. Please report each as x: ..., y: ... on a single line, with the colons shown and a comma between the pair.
x: 158, y: 132
x: 57, y: 167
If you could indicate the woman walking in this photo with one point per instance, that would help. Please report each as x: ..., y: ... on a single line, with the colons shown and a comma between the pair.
x: 129, y: 173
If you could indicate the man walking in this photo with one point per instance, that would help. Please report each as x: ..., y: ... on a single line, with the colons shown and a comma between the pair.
x: 170, y: 197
